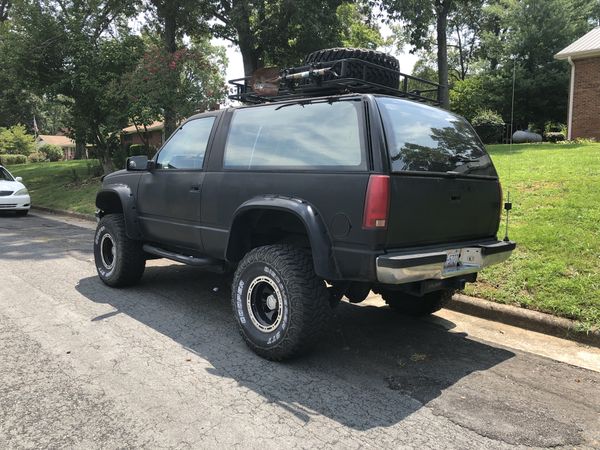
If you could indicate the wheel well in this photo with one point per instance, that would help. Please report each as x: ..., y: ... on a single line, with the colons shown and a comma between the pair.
x: 109, y: 203
x: 260, y: 227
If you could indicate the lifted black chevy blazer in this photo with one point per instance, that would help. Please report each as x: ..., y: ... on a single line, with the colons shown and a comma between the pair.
x: 307, y: 201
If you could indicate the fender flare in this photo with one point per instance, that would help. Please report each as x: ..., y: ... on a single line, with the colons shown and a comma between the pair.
x: 320, y: 241
x: 105, y: 199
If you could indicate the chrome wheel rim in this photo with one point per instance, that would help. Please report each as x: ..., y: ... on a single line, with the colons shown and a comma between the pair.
x: 264, y: 305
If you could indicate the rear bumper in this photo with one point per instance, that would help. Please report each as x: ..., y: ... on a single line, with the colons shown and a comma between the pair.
x: 399, y: 268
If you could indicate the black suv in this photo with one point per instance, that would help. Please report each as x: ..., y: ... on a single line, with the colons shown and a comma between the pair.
x: 306, y: 200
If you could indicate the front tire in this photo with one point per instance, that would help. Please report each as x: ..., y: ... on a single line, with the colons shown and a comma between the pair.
x: 120, y: 261
x: 413, y: 305
x: 280, y: 304
x: 22, y: 212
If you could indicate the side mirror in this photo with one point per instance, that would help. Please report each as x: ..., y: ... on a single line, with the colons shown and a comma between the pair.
x: 151, y: 165
x: 137, y: 163
x: 19, y: 179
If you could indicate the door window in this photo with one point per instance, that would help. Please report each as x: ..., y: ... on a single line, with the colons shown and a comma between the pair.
x: 186, y: 148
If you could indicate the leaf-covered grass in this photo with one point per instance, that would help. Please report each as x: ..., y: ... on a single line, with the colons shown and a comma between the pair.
x: 555, y: 220
x: 555, y: 190
x: 66, y: 185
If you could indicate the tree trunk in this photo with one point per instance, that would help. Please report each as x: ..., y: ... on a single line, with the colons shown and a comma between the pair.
x: 80, y: 148
x: 442, y: 52
x: 169, y: 14
x: 246, y: 41
x: 249, y: 57
x: 105, y: 157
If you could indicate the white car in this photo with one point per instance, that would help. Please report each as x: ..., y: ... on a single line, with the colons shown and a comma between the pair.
x: 13, y: 194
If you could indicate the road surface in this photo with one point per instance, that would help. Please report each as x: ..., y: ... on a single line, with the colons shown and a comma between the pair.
x: 161, y: 365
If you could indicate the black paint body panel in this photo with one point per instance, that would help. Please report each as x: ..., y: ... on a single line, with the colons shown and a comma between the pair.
x: 194, y: 211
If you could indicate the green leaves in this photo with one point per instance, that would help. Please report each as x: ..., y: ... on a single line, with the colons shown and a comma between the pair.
x: 16, y: 141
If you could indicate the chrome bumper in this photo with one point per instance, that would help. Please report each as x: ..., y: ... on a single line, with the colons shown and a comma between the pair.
x: 398, y: 268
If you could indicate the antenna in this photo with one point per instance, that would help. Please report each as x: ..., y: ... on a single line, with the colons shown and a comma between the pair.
x: 508, y: 204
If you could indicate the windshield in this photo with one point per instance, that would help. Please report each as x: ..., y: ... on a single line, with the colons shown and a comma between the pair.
x: 425, y: 139
x: 4, y: 175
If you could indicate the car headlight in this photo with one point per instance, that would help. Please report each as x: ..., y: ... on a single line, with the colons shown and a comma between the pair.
x: 23, y: 191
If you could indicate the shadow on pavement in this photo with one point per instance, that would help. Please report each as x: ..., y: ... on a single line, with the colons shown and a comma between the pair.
x: 373, y: 369
x: 40, y: 238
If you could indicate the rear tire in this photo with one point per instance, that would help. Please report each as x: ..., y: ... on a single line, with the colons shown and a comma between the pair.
x: 22, y: 212
x: 373, y: 74
x: 120, y: 261
x: 281, y: 306
x: 413, y: 305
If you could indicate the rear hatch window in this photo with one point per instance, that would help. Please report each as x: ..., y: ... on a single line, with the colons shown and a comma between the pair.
x: 421, y: 138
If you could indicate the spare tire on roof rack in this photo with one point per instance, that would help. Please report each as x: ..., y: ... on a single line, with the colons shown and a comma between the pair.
x: 379, y: 75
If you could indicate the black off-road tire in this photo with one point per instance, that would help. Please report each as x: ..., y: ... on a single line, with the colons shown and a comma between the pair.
x: 283, y: 274
x: 125, y: 265
x: 22, y: 212
x: 374, y: 75
x: 417, y: 306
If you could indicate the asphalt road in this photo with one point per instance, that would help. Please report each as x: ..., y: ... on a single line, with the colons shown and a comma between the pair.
x: 162, y: 365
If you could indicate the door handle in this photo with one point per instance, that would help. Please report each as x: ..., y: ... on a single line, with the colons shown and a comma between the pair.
x: 195, y: 188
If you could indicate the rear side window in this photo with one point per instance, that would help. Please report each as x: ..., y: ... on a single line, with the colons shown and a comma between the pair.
x: 295, y: 136
x: 422, y: 138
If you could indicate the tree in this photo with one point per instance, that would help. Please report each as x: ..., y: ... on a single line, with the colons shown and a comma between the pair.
x: 172, y: 19
x: 76, y: 49
x: 420, y: 16
x: 276, y: 32
x: 16, y: 141
x: 524, y: 36
x: 200, y: 83
x: 4, y: 10
x: 357, y: 29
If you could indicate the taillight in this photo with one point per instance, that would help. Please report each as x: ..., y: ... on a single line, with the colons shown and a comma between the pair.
x: 377, y: 203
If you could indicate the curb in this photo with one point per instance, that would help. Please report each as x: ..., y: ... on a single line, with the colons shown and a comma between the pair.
x: 523, y: 318
x: 60, y: 212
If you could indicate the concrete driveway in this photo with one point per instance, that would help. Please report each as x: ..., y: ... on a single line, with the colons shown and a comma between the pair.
x: 162, y: 365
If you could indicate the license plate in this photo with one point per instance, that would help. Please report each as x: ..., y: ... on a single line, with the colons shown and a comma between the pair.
x: 452, y: 258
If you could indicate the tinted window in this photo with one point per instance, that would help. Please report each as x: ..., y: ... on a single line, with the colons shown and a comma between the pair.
x: 315, y: 135
x: 422, y: 138
x: 4, y: 175
x: 186, y: 148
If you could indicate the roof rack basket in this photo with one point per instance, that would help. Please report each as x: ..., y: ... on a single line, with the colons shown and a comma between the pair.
x: 341, y: 76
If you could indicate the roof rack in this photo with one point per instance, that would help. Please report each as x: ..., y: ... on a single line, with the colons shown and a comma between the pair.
x: 341, y: 76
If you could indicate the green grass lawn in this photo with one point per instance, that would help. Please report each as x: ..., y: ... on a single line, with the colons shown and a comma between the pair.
x: 66, y: 185
x: 555, y: 220
x: 555, y: 190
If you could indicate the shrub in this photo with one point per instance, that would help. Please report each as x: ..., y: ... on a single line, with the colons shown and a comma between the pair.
x: 555, y: 127
x: 7, y: 160
x: 36, y: 157
x: 53, y: 152
x: 489, y: 126
x: 136, y: 149
x: 94, y: 168
x: 140, y: 149
x: 579, y: 141
x: 16, y: 141
x: 554, y: 136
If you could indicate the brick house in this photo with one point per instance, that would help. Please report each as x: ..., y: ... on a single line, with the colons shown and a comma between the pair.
x: 154, y: 134
x: 584, y: 94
